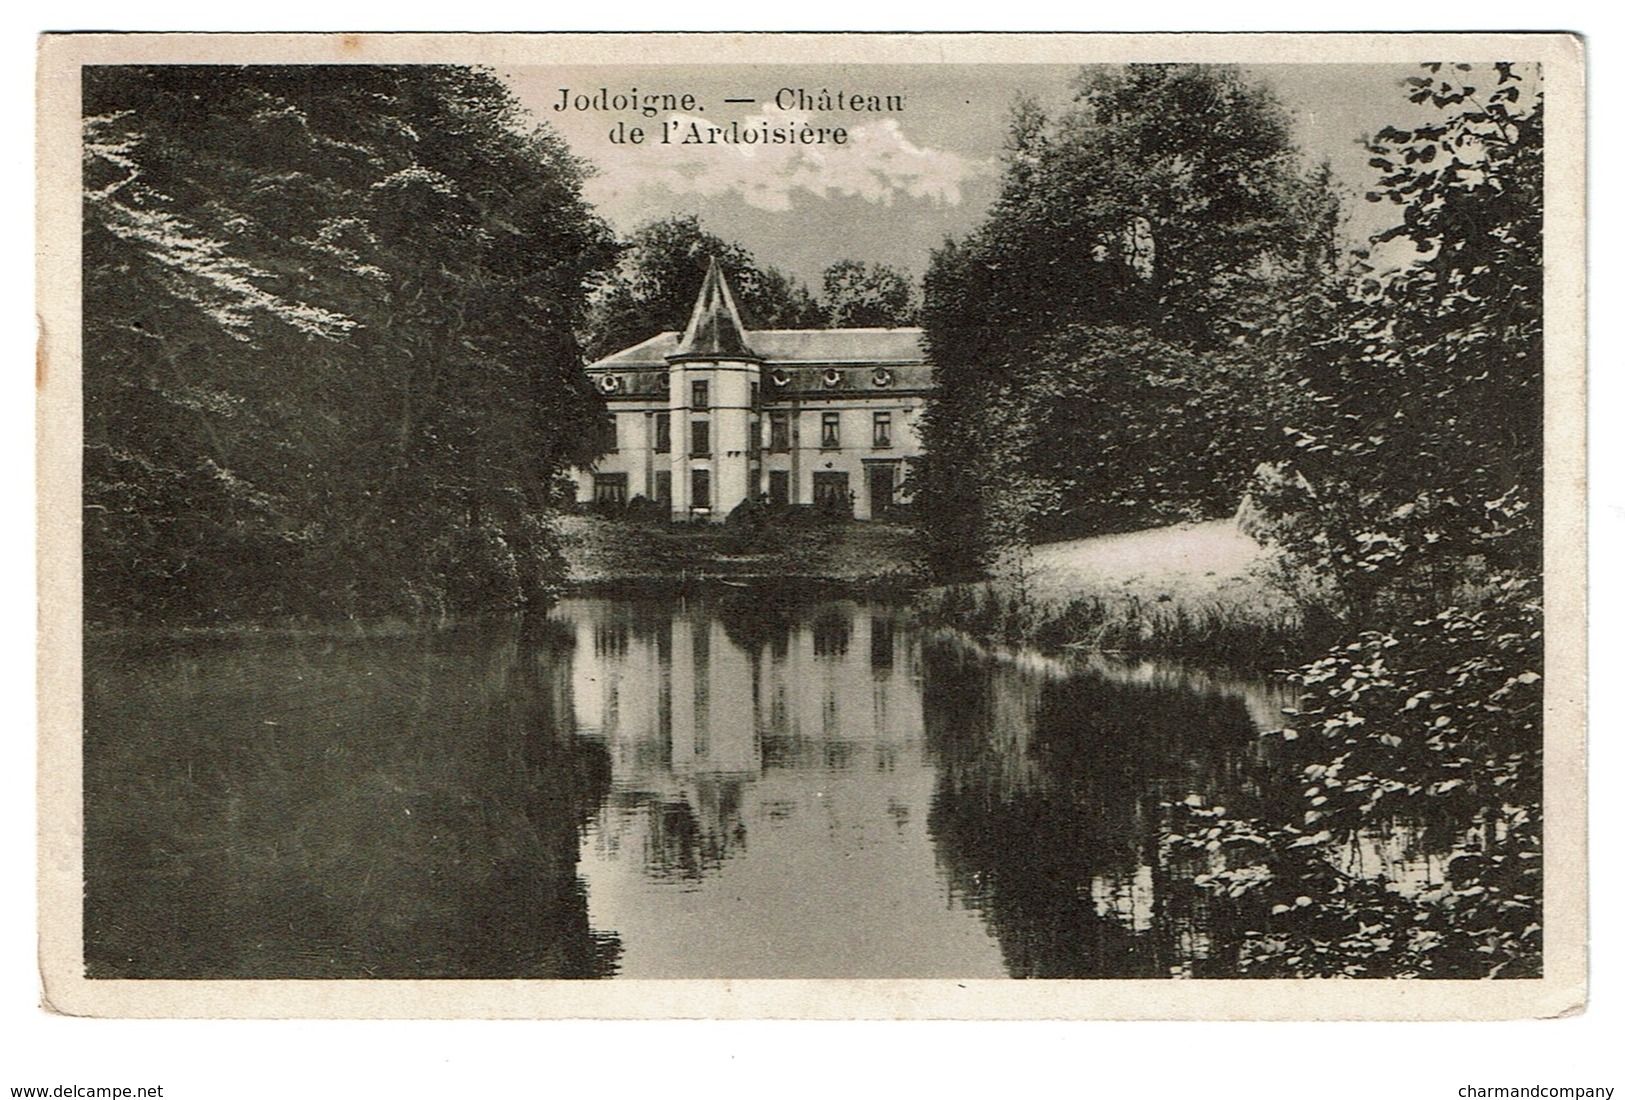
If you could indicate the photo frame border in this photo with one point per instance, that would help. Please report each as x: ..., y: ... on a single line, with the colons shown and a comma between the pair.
x: 1561, y: 991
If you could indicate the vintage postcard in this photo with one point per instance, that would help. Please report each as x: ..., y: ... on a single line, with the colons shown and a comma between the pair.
x: 824, y: 526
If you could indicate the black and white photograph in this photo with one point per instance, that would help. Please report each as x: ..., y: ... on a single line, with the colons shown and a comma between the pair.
x: 544, y: 518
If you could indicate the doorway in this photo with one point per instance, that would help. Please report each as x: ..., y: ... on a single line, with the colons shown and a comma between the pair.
x: 882, y: 487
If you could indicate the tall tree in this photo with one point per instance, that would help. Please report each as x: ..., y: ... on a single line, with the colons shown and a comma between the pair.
x: 661, y: 266
x: 860, y: 295
x: 1164, y: 217
x: 329, y: 364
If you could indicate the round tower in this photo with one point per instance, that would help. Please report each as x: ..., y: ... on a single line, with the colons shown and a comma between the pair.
x: 715, y: 388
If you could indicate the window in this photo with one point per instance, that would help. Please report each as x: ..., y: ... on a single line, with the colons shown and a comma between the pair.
x: 662, y: 433
x: 778, y: 487
x: 832, y: 637
x: 610, y: 639
x: 778, y: 426
x: 882, y: 430
x: 609, y: 488
x: 700, y: 437
x: 755, y: 395
x: 612, y: 440
x: 663, y: 486
x: 881, y: 644
x: 701, y: 496
x: 702, y: 395
x: 831, y: 437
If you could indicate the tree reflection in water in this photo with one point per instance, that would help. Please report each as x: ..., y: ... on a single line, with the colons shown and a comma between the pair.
x: 1048, y: 809
x: 737, y: 786
x: 816, y: 789
x: 306, y: 808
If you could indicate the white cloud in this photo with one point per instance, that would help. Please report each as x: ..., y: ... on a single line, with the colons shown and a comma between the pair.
x: 878, y: 163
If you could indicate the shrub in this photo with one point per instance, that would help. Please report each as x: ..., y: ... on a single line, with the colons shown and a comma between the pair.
x: 1431, y: 734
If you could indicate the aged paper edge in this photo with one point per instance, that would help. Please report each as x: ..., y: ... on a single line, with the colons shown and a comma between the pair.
x: 1562, y: 991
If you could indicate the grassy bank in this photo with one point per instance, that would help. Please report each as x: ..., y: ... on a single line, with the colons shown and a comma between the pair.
x: 602, y: 553
x: 1204, y: 590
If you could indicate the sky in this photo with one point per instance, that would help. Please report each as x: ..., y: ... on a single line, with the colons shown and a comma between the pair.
x: 906, y: 179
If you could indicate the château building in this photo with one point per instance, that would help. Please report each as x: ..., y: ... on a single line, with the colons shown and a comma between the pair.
x: 702, y: 420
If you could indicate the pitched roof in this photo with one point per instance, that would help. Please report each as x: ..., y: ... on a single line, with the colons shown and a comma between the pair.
x: 791, y: 347
x: 715, y: 332
x: 714, y: 329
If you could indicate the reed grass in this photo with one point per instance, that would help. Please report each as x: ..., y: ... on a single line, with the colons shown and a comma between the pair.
x: 1248, y: 622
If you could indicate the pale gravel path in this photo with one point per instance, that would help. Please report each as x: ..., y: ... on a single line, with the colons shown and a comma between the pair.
x: 1190, y: 560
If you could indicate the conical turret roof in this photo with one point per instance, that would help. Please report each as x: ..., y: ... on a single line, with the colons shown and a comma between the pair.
x: 714, y: 330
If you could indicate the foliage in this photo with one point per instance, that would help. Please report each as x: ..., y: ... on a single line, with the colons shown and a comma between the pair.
x: 653, y: 287
x: 1421, y: 460
x: 859, y: 295
x: 1249, y: 627
x: 1086, y: 371
x: 328, y: 344
x: 657, y: 278
x: 1415, y: 492
x: 1123, y: 426
x: 1427, y: 738
x: 1165, y: 215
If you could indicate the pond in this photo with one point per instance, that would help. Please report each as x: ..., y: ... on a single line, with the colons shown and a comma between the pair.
x: 722, y: 786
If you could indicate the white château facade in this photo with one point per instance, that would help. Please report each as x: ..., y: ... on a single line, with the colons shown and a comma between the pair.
x: 707, y: 418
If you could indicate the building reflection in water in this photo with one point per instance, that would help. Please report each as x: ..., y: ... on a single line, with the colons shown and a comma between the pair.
x: 716, y: 788
x: 770, y: 792
x: 823, y: 790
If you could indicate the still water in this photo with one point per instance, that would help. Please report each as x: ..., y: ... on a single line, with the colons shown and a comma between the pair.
x: 717, y: 787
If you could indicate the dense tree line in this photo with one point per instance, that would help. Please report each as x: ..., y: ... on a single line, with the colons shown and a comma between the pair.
x: 330, y: 363
x: 1422, y: 450
x: 661, y: 265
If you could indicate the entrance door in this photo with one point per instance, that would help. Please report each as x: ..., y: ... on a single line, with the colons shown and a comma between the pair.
x: 882, y: 488
x: 830, y: 492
